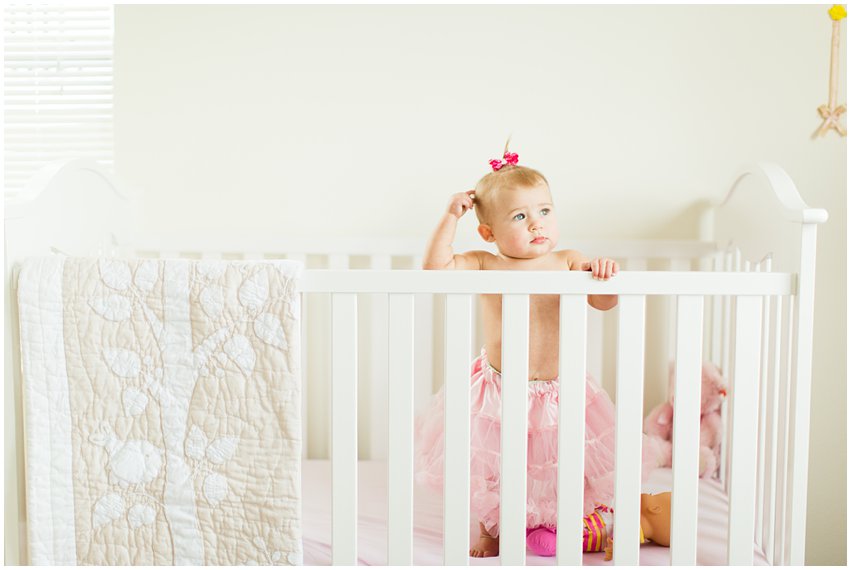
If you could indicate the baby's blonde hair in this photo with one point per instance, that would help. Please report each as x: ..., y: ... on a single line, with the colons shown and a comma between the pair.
x: 508, y: 177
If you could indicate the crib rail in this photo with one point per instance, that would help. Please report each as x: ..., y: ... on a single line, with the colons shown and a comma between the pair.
x: 746, y: 292
x: 555, y: 283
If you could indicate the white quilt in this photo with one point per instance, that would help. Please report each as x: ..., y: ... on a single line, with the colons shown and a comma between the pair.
x: 162, y: 406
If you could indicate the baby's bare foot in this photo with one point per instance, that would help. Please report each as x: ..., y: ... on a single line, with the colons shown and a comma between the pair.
x: 486, y: 547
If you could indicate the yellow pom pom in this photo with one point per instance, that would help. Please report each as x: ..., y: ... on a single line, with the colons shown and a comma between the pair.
x: 837, y: 12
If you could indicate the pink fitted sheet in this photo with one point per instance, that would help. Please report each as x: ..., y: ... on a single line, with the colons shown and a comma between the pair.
x: 428, y: 521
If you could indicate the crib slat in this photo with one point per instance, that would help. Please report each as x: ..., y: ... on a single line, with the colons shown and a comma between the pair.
x: 781, y: 342
x: 456, y: 489
x: 344, y: 442
x: 305, y: 399
x: 474, y: 338
x: 378, y: 378
x: 400, y: 517
x: 423, y: 343
x: 675, y: 264
x: 594, y: 348
x: 320, y: 381
x: 571, y: 426
x: 726, y: 335
x: 424, y: 349
x: 771, y: 404
x: 514, y: 430
x: 745, y: 392
x: 726, y: 416
x: 686, y: 435
x: 717, y: 318
x: 628, y: 425
x: 478, y: 325
x: 759, y: 535
x: 783, y: 467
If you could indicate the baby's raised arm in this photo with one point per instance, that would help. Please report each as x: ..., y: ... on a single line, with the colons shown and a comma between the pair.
x: 439, y: 254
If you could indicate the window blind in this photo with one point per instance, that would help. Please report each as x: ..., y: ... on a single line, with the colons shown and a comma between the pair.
x: 57, y: 82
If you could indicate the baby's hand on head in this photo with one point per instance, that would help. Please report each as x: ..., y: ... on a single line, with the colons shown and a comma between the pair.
x: 601, y: 268
x: 461, y: 202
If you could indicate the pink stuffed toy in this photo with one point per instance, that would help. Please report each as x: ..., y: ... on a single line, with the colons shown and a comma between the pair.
x: 660, y: 422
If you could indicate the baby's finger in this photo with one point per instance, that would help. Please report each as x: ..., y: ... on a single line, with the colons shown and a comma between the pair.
x: 609, y: 269
x: 595, y: 268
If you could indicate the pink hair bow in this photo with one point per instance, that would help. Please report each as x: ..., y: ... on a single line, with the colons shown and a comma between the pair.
x: 508, y: 158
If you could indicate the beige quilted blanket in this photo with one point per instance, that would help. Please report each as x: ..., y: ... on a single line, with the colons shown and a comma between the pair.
x: 162, y: 411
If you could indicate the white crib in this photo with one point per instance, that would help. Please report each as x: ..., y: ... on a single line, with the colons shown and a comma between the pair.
x: 741, y: 296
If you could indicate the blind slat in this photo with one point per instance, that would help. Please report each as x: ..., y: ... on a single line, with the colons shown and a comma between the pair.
x: 57, y: 139
x: 48, y: 39
x: 102, y: 88
x: 66, y: 75
x: 25, y: 45
x: 54, y: 27
x: 60, y: 113
x: 102, y: 99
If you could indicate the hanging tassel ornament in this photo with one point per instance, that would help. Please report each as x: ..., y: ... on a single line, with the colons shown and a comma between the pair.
x: 830, y: 113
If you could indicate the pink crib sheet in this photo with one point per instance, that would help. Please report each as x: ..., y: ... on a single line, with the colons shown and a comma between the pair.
x: 428, y: 521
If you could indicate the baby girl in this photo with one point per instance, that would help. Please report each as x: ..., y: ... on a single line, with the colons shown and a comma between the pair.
x: 516, y: 212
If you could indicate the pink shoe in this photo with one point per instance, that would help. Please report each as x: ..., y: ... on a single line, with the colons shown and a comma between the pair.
x: 541, y: 541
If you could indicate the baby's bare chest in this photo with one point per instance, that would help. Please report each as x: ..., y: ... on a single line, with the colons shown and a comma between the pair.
x: 543, y: 310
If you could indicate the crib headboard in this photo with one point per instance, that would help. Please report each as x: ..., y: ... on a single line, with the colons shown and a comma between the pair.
x: 76, y: 208
x: 762, y: 215
x: 763, y: 224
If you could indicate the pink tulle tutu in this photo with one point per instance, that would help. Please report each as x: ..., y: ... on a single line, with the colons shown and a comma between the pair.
x: 542, y: 448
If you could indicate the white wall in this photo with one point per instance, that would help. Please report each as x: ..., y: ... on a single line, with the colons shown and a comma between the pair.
x: 346, y: 120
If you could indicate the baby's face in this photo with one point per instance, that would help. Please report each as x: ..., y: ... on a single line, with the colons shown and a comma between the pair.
x: 523, y: 222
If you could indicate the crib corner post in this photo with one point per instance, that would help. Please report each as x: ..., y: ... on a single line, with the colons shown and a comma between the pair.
x: 801, y: 388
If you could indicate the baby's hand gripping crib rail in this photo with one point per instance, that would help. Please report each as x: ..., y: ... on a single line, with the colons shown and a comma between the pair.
x: 754, y: 320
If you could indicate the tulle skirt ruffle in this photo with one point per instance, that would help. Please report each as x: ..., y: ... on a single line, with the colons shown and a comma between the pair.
x: 542, y: 448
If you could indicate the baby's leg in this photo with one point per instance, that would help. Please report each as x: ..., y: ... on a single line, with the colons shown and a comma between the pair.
x: 487, y: 545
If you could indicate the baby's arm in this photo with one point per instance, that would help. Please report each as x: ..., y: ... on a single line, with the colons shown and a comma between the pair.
x: 439, y: 251
x: 601, y: 268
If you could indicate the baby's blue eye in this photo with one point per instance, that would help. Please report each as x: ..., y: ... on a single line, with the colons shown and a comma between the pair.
x: 520, y: 217
x: 545, y: 211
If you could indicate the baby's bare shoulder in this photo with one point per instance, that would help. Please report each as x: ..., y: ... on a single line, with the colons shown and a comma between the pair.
x: 486, y: 258
x: 571, y: 257
x: 476, y: 259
